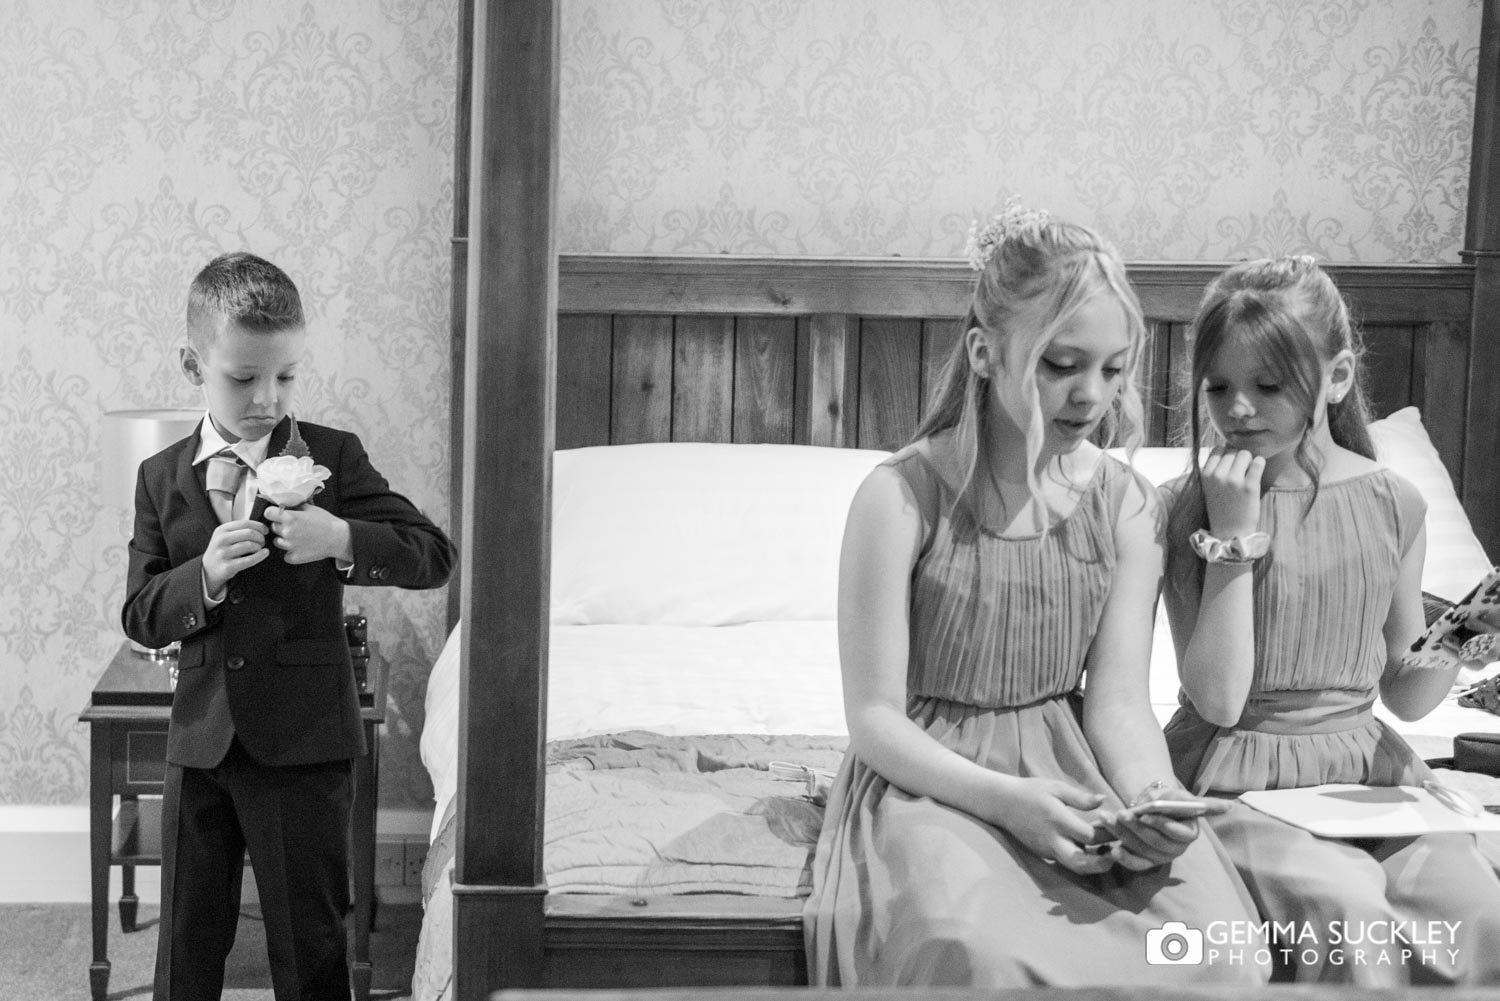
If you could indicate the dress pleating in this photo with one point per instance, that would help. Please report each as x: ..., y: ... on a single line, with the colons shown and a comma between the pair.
x: 1321, y: 600
x: 909, y: 891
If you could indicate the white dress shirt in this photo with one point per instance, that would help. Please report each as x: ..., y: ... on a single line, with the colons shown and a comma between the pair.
x: 251, y: 453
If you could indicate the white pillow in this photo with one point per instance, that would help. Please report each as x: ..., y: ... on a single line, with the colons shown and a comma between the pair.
x: 1157, y: 464
x: 1455, y: 559
x: 700, y: 534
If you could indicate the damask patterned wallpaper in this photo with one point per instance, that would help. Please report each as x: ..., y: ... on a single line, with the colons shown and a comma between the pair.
x: 138, y: 138
x: 1185, y: 130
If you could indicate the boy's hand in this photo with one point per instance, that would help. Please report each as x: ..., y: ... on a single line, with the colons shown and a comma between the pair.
x: 234, y: 546
x: 309, y: 534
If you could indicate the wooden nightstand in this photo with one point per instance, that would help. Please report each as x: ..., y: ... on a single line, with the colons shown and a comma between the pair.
x: 127, y: 716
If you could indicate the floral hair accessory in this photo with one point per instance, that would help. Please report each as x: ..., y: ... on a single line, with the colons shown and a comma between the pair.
x: 1012, y: 221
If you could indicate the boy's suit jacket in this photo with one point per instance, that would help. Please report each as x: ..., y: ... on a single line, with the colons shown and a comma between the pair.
x: 270, y: 663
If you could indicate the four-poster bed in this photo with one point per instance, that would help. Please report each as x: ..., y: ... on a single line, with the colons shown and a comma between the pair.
x: 821, y: 352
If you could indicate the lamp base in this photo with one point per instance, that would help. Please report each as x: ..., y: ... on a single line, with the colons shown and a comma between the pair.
x: 159, y: 654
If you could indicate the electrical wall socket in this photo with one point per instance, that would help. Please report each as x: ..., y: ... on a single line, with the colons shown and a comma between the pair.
x: 416, y: 855
x: 390, y: 862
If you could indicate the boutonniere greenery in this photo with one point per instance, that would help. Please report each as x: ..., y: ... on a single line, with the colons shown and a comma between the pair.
x: 291, y: 478
x: 295, y: 446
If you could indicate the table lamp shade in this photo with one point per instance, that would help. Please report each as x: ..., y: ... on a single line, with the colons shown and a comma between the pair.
x: 131, y: 436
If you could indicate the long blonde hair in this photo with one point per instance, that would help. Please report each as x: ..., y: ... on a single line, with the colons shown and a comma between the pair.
x: 1062, y: 266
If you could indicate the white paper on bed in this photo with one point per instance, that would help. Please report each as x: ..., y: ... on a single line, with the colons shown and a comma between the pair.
x: 1343, y: 810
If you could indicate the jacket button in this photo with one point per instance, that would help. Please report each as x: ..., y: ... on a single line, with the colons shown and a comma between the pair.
x: 190, y: 620
x: 235, y: 663
x: 236, y: 595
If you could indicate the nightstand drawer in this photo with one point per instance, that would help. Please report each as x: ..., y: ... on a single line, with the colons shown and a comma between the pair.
x: 138, y: 757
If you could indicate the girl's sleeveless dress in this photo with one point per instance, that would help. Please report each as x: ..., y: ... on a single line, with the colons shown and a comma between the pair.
x: 1321, y: 600
x: 908, y: 891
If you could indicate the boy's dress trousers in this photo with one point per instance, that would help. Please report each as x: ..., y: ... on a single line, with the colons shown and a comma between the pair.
x: 265, y: 716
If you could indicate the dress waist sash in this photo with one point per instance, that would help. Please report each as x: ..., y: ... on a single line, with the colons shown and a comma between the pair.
x: 1327, y: 710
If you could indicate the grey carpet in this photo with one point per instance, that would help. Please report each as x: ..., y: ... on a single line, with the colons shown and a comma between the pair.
x: 45, y: 951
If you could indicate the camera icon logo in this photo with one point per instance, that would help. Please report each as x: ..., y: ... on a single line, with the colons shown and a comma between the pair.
x: 1174, y: 944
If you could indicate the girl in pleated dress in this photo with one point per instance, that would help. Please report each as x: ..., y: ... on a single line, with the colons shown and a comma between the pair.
x: 975, y: 834
x: 1293, y: 589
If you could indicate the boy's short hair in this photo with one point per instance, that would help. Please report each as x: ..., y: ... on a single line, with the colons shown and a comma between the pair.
x: 244, y: 289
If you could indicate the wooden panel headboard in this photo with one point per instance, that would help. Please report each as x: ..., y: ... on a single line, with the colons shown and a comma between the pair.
x: 843, y: 351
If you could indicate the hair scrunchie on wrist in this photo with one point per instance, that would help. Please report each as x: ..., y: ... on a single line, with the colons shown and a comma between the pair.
x: 1235, y: 549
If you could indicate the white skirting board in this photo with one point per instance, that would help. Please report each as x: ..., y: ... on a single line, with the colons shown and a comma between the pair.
x: 44, y: 855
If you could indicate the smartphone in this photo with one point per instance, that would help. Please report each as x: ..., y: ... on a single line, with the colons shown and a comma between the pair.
x: 1177, y: 808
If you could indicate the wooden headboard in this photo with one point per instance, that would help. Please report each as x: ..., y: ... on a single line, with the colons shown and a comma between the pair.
x: 843, y: 351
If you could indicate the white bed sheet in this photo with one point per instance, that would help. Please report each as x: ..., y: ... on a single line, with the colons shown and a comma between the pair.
x: 756, y: 677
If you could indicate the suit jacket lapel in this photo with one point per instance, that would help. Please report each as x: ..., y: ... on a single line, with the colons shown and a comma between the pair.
x: 192, y: 482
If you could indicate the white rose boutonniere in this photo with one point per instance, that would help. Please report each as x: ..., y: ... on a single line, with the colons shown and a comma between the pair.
x: 289, y: 481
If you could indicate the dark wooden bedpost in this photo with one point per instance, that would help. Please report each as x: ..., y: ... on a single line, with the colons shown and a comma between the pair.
x: 1481, y: 471
x: 458, y: 298
x: 509, y: 364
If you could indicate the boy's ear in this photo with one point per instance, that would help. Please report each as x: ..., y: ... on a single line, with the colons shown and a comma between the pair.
x: 1341, y: 376
x: 191, y: 364
x: 977, y: 346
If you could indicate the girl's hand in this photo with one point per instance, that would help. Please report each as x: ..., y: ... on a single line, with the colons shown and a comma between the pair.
x: 1148, y: 839
x: 1231, y: 491
x: 1056, y: 820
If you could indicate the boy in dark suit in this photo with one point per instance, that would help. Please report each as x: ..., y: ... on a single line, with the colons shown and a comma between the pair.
x: 265, y: 718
